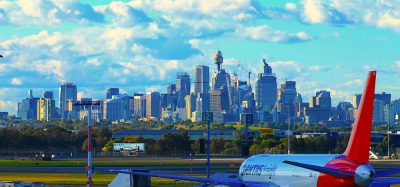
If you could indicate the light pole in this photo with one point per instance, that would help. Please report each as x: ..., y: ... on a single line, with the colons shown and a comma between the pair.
x: 288, y: 134
x: 246, y: 119
x: 89, y: 167
x: 208, y: 117
x: 388, y: 142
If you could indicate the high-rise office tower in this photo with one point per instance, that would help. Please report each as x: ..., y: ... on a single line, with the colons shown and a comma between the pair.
x: 323, y: 99
x: 111, y: 92
x: 218, y: 101
x: 153, y: 105
x: 201, y: 79
x: 48, y: 95
x: 171, y: 89
x: 46, y: 107
x: 182, y: 88
x: 183, y: 82
x: 139, y: 105
x: 392, y: 113
x: 385, y: 97
x: 27, y: 108
x: 67, y: 93
x: 202, y: 85
x: 266, y: 89
x: 378, y: 113
x: 345, y: 111
x: 286, y: 99
x: 119, y: 107
x: 356, y: 100
x: 190, y: 105
x: 319, y: 107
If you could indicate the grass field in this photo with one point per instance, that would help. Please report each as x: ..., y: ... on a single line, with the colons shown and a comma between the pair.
x: 99, y: 179
x: 58, y: 178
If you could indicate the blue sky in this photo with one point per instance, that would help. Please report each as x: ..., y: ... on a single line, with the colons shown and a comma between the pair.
x: 140, y: 45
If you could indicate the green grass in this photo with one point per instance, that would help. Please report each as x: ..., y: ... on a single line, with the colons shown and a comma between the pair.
x: 99, y: 179
x: 58, y: 178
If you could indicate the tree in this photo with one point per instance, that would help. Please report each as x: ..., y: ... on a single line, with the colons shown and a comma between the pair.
x: 231, y: 148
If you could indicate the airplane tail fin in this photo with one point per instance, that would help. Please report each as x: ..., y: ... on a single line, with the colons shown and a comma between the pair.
x: 359, y: 143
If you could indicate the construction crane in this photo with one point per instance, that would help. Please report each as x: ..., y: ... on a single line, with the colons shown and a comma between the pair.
x: 248, y: 71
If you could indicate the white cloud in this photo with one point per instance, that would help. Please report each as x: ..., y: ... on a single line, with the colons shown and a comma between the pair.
x: 267, y: 34
x: 80, y: 95
x: 318, y: 68
x: 313, y: 11
x: 222, y: 8
x: 8, y: 106
x: 286, y: 69
x: 242, y: 16
x: 353, y: 83
x: 16, y: 81
x: 389, y: 21
x: 172, y: 64
x: 291, y: 6
x: 397, y: 64
x: 49, y: 12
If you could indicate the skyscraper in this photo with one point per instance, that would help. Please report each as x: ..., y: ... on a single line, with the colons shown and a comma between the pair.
x: 139, y: 105
x: 182, y: 88
x: 319, y: 107
x: 67, y: 91
x: 48, y: 95
x: 266, y: 89
x: 385, y: 97
x: 202, y: 86
x: 111, y: 92
x: 119, y: 107
x: 286, y: 100
x: 190, y: 105
x: 345, y: 111
x: 153, y: 109
x: 27, y: 108
x: 171, y: 89
x: 220, y: 99
x: 378, y: 114
x: 392, y: 110
x: 356, y: 100
x: 201, y: 79
x: 183, y: 82
x: 46, y: 107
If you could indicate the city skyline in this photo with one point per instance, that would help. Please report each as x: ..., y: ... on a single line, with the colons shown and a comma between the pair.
x: 141, y: 45
x: 227, y: 99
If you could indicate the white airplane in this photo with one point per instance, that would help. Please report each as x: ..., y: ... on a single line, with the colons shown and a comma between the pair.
x: 350, y: 169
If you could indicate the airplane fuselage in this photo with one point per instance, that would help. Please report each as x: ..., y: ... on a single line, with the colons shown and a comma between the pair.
x: 270, y: 169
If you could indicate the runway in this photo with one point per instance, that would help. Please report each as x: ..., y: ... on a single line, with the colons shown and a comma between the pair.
x: 220, y: 165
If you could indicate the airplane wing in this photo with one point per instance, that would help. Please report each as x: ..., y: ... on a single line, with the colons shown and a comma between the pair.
x: 330, y: 171
x: 195, y: 179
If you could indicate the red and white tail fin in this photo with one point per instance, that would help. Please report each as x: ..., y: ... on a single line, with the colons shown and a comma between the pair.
x: 359, y: 143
